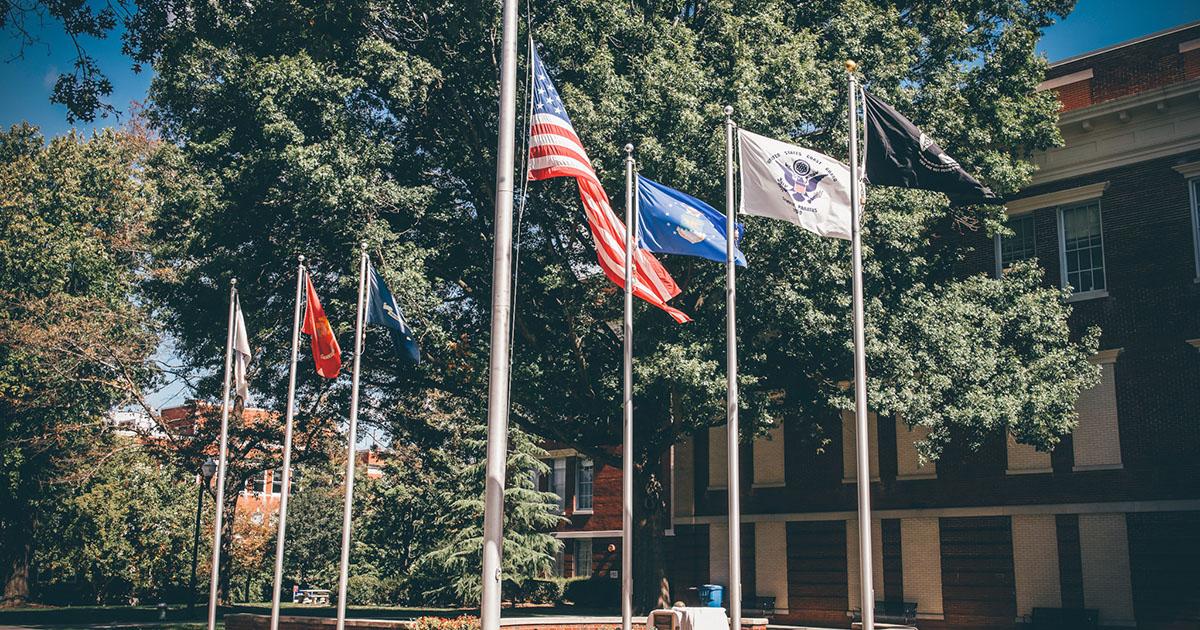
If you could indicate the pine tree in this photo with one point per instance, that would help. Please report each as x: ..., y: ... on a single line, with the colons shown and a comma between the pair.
x: 529, y: 515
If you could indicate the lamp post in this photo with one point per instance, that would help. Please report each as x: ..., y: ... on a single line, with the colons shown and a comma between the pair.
x: 207, y: 470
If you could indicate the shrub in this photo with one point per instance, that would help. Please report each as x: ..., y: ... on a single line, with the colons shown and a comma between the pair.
x: 366, y: 590
x: 465, y: 622
x: 537, y: 591
x: 592, y: 592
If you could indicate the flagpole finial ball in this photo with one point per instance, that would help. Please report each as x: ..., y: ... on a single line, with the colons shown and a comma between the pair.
x: 629, y: 147
x: 301, y: 257
x: 233, y: 282
x: 851, y: 65
x: 728, y: 111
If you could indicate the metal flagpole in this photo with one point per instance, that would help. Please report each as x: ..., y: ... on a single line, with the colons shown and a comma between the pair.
x: 222, y: 450
x: 867, y: 593
x: 286, y: 483
x: 627, y: 404
x: 498, y: 362
x: 731, y: 388
x: 347, y: 507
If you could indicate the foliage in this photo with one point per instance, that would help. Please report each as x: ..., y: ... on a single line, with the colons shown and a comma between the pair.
x: 592, y: 592
x: 529, y: 515
x: 73, y: 339
x: 121, y: 533
x: 464, y: 622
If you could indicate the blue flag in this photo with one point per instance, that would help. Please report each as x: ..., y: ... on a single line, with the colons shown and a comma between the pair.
x: 671, y: 222
x: 383, y: 310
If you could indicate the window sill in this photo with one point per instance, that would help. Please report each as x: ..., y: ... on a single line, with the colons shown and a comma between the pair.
x: 772, y: 484
x: 1087, y: 295
x: 1029, y: 471
x: 582, y: 512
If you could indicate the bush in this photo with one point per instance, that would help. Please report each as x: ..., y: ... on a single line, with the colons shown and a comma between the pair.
x: 366, y: 590
x: 536, y: 591
x: 593, y: 592
x: 465, y: 622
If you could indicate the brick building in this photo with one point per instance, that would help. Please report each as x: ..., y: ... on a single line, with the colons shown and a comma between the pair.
x: 589, y: 495
x: 258, y: 498
x: 1110, y: 520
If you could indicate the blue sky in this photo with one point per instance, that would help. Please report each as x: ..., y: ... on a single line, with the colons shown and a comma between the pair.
x: 27, y: 81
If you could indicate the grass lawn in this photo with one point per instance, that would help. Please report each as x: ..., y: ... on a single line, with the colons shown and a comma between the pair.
x: 123, y: 617
x: 178, y: 617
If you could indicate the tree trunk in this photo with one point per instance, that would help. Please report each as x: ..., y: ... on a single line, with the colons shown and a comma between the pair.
x: 16, y: 575
x: 651, y: 587
x: 224, y: 591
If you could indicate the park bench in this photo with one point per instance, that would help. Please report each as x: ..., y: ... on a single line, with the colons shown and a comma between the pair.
x: 1066, y: 618
x: 318, y: 596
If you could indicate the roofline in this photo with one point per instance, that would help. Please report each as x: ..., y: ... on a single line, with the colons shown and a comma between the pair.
x: 1138, y: 40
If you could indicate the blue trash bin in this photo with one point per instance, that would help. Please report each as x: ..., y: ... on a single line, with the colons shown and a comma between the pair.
x: 711, y: 595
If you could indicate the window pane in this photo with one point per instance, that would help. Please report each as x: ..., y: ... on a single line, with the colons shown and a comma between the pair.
x: 1083, y: 250
x: 583, y: 557
x: 558, y: 482
x: 1021, y: 245
x: 583, y: 483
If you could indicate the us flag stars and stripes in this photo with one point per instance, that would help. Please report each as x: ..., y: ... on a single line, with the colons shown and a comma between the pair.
x: 555, y: 151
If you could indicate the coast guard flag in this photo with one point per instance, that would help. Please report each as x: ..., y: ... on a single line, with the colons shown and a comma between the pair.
x: 672, y: 222
x: 383, y: 310
x: 899, y: 154
x: 241, y: 353
x: 787, y: 182
x: 555, y: 151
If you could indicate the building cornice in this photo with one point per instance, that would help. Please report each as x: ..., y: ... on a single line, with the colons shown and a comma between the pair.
x: 1189, y: 170
x: 1056, y: 198
x: 1156, y: 124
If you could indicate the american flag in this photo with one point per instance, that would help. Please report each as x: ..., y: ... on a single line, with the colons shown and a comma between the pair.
x: 555, y: 151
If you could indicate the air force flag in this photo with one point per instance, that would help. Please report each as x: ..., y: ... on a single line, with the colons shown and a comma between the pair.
x: 383, y: 310
x: 671, y: 222
x: 784, y: 181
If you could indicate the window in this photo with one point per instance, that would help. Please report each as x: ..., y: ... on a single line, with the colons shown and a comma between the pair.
x: 1081, y: 248
x: 583, y: 485
x: 558, y: 482
x: 257, y: 482
x: 583, y: 557
x: 1019, y: 246
x: 277, y: 481
x: 1194, y: 187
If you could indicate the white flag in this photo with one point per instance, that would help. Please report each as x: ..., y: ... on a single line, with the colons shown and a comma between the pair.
x: 241, y: 352
x: 784, y: 181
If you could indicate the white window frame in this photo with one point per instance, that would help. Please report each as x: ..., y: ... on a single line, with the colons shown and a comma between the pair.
x: 579, y: 462
x: 1062, y: 251
x: 1194, y: 194
x: 580, y: 545
x: 558, y: 481
x: 998, y: 241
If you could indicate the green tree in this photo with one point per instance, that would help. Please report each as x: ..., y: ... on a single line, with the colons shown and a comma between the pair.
x: 309, y: 128
x: 74, y: 340
x: 529, y: 550
x: 118, y: 530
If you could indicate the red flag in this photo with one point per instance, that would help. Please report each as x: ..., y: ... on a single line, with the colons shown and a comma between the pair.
x: 326, y: 353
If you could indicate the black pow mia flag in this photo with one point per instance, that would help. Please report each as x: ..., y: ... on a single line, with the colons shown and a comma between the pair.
x: 899, y: 154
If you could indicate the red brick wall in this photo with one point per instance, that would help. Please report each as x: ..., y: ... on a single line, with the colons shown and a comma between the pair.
x: 1129, y: 70
x: 1075, y: 95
